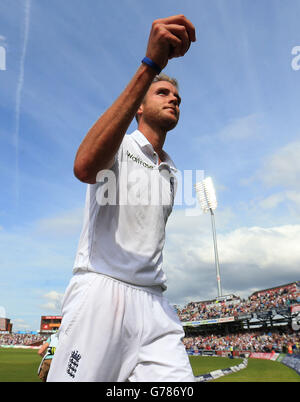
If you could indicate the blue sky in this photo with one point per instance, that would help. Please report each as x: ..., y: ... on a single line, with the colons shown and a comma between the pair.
x: 67, y: 61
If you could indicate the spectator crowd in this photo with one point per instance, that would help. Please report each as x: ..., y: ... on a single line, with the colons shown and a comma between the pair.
x: 21, y: 339
x: 277, y: 298
x: 250, y: 341
x: 275, y: 340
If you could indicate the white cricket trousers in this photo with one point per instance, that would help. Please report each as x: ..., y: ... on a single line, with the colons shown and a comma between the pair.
x: 115, y: 332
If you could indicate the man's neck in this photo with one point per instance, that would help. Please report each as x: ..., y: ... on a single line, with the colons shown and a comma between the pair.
x: 156, y: 137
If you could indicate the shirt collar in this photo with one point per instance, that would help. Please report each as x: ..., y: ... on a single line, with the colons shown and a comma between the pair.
x: 143, y: 142
x: 141, y: 139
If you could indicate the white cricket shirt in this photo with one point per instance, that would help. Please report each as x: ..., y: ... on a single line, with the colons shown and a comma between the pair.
x: 125, y: 215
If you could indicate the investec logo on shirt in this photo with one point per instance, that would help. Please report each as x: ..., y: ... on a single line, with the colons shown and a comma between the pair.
x: 138, y: 160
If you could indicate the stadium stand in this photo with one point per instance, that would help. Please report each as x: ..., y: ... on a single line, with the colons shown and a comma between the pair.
x: 261, y: 301
x: 260, y: 324
x: 14, y: 339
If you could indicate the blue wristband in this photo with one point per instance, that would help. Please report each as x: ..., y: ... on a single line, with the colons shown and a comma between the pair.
x: 151, y: 64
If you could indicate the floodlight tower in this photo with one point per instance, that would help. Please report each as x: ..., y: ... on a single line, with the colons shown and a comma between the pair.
x: 208, y: 202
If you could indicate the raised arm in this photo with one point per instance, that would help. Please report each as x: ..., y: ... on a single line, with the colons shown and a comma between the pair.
x: 169, y: 37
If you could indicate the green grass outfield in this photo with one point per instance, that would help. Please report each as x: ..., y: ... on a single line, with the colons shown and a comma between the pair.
x: 20, y: 365
x: 257, y: 370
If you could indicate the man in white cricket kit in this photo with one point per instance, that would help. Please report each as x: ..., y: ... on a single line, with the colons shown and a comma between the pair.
x: 117, y: 325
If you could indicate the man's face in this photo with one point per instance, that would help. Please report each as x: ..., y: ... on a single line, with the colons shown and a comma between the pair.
x: 161, y: 105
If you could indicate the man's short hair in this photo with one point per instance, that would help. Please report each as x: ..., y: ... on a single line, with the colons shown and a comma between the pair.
x: 162, y: 77
x: 165, y: 77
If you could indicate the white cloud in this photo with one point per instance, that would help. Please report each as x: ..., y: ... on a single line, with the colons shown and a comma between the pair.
x: 54, y: 300
x: 276, y: 199
x: 251, y: 258
x: 20, y: 325
x: 64, y: 224
x: 283, y: 167
x: 237, y: 129
x: 36, y: 265
x: 272, y: 201
x: 241, y: 128
x: 265, y: 247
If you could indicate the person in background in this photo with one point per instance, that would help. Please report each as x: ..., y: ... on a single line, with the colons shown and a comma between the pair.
x: 46, y: 351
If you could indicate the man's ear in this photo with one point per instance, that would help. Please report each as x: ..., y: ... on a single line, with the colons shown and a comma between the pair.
x: 140, y: 111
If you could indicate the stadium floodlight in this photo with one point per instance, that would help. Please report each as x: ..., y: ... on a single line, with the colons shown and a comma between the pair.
x: 208, y: 202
